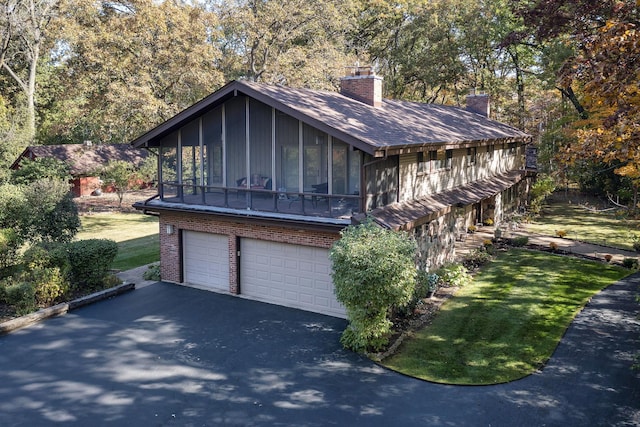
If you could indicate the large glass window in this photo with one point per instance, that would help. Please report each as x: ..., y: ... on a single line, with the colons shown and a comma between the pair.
x: 260, y: 135
x: 212, y: 146
x: 287, y: 152
x: 191, y: 156
x: 168, y: 158
x: 339, y: 167
x: 345, y: 163
x: 355, y: 160
x: 168, y: 173
x: 316, y: 177
x: 236, y: 141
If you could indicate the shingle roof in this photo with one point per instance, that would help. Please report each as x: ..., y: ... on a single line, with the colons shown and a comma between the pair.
x: 396, y: 124
x: 83, y: 159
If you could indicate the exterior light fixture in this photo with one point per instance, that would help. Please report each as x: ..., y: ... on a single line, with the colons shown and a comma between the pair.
x: 170, y: 229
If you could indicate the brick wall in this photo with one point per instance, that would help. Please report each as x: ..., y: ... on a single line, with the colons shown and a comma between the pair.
x: 170, y: 249
x: 367, y: 89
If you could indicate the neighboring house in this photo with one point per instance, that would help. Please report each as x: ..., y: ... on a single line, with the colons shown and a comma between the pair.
x: 84, y: 160
x: 257, y: 181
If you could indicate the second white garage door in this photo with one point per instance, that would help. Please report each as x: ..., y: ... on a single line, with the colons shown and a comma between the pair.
x: 206, y: 260
x: 290, y: 275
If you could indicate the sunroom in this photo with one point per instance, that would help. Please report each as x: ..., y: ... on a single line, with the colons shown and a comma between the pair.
x: 245, y: 155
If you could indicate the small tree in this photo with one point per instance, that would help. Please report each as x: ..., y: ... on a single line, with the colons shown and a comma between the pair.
x: 373, y: 272
x: 53, y: 216
x: 123, y: 176
x: 540, y: 190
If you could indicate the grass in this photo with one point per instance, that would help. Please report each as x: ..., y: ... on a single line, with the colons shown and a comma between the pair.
x: 602, y: 228
x: 507, y: 323
x: 136, y: 235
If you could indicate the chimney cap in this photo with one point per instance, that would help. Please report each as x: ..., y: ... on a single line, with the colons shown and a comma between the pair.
x: 358, y: 70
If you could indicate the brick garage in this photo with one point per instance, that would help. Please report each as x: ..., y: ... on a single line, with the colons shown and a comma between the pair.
x: 181, y: 223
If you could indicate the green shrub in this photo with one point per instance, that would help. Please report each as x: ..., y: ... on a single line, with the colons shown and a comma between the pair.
x: 540, y: 190
x: 20, y: 295
x: 10, y: 243
x: 90, y: 261
x: 373, y: 272
x: 47, y: 255
x: 425, y: 282
x: 476, y: 258
x: 630, y: 263
x: 455, y: 275
x: 52, y: 215
x: 152, y: 273
x: 49, y: 284
x: 519, y: 241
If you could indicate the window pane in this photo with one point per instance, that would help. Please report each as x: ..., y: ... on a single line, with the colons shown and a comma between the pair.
x: 287, y: 150
x: 339, y: 167
x: 355, y: 160
x: 212, y: 146
x: 315, y: 159
x: 423, y: 166
x: 236, y: 142
x: 190, y: 138
x: 168, y: 158
x: 260, y: 142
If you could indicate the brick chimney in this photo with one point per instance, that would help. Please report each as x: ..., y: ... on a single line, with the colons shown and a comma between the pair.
x: 479, y: 104
x: 363, y: 85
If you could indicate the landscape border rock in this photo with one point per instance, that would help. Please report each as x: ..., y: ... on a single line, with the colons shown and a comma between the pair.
x: 62, y: 308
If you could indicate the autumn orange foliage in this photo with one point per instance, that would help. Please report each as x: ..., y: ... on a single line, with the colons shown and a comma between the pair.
x: 609, y: 69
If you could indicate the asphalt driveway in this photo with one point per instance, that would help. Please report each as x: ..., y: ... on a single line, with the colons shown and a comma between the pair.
x: 169, y: 355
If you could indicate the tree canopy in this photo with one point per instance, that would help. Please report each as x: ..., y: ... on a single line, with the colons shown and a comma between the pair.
x: 107, y: 71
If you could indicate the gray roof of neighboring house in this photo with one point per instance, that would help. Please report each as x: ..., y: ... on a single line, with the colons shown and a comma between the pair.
x: 84, y: 159
x: 394, y: 125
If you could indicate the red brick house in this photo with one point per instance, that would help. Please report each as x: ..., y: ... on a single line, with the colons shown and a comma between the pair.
x: 256, y: 182
x: 83, y: 161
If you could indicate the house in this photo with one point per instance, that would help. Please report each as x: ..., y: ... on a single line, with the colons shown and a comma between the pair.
x: 83, y: 161
x: 257, y: 181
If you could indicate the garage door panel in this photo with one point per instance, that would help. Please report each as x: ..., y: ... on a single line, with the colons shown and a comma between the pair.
x: 295, y: 276
x: 206, y: 260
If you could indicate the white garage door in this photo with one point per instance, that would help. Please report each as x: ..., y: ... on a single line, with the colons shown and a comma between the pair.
x: 206, y: 260
x: 290, y: 275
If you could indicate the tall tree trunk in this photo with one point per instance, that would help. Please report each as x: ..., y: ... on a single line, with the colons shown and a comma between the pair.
x: 568, y: 92
x: 519, y: 86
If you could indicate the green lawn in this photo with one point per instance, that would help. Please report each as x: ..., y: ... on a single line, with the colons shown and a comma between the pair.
x: 507, y: 323
x: 135, y: 233
x: 602, y: 228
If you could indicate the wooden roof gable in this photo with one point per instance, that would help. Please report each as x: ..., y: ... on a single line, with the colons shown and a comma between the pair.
x: 394, y: 126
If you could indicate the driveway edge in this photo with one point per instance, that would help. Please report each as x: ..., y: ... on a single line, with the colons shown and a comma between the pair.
x: 62, y: 308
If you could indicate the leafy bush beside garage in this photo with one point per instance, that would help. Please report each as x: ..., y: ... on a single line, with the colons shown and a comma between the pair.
x: 373, y: 272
